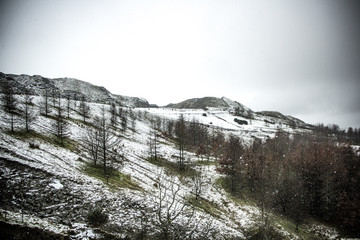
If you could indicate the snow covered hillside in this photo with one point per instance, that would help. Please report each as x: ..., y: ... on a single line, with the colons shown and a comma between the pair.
x: 55, y: 186
x: 69, y: 86
x: 227, y: 105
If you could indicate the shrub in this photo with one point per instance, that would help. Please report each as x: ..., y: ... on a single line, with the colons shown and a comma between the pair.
x: 241, y: 122
x: 265, y: 233
x: 97, y: 217
x: 34, y: 145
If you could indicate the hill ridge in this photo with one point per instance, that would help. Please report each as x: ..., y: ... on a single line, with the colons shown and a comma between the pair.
x: 36, y: 84
x: 237, y: 109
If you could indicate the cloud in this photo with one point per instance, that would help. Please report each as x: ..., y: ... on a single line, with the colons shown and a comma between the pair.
x: 300, y: 58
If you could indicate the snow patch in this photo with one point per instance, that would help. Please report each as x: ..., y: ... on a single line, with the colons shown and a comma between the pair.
x: 56, y: 184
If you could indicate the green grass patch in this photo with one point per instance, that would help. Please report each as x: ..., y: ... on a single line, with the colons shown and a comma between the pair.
x: 48, y: 116
x: 32, y: 136
x: 172, y: 168
x: 207, y: 206
x: 165, y: 139
x: 80, y: 122
x: 206, y: 163
x: 67, y: 144
x: 264, y: 232
x: 25, y: 135
x: 74, y: 120
x: 114, y: 180
x: 241, y: 196
x: 225, y: 183
x: 303, y: 231
x: 166, y: 143
x: 36, y: 136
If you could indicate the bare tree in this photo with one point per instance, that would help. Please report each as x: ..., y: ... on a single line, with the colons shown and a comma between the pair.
x: 230, y: 164
x: 60, y: 127
x: 132, y: 116
x: 169, y: 208
x: 102, y: 145
x: 120, y: 112
x: 10, y: 102
x: 153, y: 142
x: 175, y: 216
x: 84, y: 109
x: 124, y: 122
x: 75, y: 100
x: 55, y: 96
x: 113, y: 115
x: 180, y: 132
x: 194, y: 132
x: 68, y: 104
x: 108, y: 142
x: 158, y: 122
x: 115, y: 161
x: 91, y: 141
x: 169, y: 127
x: 27, y: 113
x: 45, y: 105
x: 217, y: 143
x: 199, y: 184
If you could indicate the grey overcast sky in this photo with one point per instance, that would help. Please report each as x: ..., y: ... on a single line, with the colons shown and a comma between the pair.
x: 299, y: 57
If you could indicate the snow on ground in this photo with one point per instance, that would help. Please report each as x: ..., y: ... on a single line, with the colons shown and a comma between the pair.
x: 221, y: 118
x: 56, y: 184
x: 66, y: 166
x: 31, y: 221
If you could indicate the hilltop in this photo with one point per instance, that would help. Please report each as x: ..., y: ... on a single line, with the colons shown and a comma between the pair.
x: 70, y: 86
x: 238, y: 109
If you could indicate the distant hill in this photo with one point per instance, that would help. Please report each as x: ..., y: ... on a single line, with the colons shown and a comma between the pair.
x: 238, y: 109
x: 211, y: 102
x: 76, y: 88
x: 277, y: 116
x: 200, y: 103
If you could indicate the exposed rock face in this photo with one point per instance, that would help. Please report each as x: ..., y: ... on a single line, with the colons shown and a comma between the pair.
x: 69, y: 86
x: 33, y: 192
x: 10, y: 231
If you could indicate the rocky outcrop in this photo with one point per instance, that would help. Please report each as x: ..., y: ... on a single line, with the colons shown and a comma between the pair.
x: 38, y: 193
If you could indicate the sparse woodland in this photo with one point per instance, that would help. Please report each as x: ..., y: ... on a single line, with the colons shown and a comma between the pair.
x: 302, y: 177
x: 299, y: 176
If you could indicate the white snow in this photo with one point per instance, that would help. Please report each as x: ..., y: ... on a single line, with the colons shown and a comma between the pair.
x: 56, y: 184
x: 66, y: 165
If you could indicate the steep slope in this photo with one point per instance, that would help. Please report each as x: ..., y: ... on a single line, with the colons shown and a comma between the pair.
x: 60, y: 191
x: 238, y: 108
x: 235, y: 104
x: 74, y: 87
x: 55, y: 187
